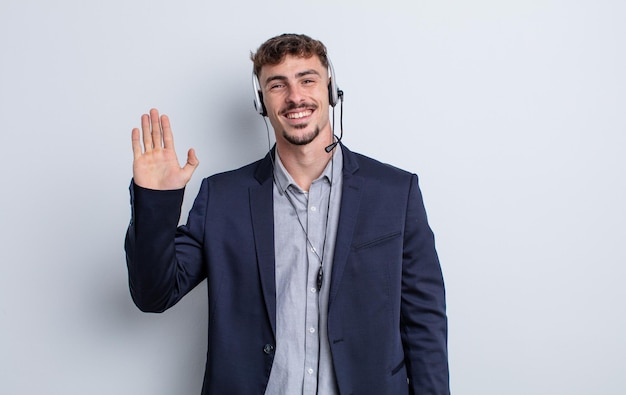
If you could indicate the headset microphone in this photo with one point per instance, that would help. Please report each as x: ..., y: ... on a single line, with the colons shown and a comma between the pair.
x: 332, y: 146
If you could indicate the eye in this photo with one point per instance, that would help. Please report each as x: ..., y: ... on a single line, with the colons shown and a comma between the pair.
x: 276, y: 86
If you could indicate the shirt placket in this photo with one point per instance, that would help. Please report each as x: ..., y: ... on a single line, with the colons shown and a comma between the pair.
x: 315, y: 229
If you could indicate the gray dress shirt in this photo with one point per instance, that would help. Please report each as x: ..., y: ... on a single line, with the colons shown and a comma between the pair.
x: 305, y: 230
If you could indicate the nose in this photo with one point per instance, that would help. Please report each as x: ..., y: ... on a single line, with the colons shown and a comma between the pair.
x: 294, y: 94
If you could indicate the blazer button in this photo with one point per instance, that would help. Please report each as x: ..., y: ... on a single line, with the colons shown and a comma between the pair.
x: 268, y: 348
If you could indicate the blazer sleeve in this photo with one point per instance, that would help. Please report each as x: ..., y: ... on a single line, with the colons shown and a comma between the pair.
x: 164, y: 261
x: 423, y: 307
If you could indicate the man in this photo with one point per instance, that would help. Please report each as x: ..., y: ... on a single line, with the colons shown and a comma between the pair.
x: 321, y: 267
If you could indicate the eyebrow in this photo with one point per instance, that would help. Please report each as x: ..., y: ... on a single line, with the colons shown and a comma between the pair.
x: 298, y: 75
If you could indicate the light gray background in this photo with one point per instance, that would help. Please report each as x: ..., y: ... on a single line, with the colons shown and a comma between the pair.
x: 512, y: 113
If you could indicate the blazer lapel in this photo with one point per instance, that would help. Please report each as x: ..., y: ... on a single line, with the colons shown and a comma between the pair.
x: 350, y: 199
x: 262, y: 212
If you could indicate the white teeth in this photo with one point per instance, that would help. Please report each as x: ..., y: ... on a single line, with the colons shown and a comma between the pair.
x: 298, y: 115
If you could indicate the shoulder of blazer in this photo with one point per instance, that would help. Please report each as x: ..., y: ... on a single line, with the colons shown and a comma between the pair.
x: 355, y: 163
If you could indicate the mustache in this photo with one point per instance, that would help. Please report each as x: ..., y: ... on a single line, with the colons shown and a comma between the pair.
x: 301, y: 106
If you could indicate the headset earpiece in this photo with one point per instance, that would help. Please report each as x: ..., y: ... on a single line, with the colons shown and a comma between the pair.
x: 259, y: 102
x: 259, y: 106
x: 334, y: 93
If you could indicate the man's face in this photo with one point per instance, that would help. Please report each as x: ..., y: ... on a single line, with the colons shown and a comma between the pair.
x: 295, y: 94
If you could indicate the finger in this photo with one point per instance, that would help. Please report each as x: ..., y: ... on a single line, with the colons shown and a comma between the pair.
x: 145, y: 130
x: 168, y: 136
x: 192, y: 159
x: 155, y: 121
x: 192, y: 163
x: 136, y: 139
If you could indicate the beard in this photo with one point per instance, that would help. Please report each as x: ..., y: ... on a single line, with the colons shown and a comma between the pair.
x: 303, y: 139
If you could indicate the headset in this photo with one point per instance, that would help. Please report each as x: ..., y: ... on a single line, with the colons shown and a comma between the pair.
x: 334, y: 93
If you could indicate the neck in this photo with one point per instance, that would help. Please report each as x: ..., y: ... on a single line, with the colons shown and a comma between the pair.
x: 305, y: 163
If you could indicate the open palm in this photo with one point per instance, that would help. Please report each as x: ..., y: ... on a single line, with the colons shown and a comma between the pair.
x: 155, y: 164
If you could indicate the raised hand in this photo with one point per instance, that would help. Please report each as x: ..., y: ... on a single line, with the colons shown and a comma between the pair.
x: 155, y: 165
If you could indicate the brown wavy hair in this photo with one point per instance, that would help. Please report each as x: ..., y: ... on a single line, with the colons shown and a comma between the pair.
x: 274, y: 50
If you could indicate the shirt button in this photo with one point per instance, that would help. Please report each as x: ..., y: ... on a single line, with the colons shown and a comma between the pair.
x: 268, y: 348
x: 313, y: 208
x: 313, y: 290
x: 312, y: 330
x: 310, y: 371
x: 313, y: 249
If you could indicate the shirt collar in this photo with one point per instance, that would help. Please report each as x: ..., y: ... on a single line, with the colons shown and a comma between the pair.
x: 331, y: 172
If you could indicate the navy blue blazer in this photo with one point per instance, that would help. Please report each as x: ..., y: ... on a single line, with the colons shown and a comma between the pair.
x: 387, y: 324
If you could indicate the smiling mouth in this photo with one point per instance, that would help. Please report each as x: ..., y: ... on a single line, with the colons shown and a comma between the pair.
x: 298, y: 115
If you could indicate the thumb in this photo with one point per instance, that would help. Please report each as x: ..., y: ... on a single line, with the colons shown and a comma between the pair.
x: 192, y: 162
x: 192, y: 159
